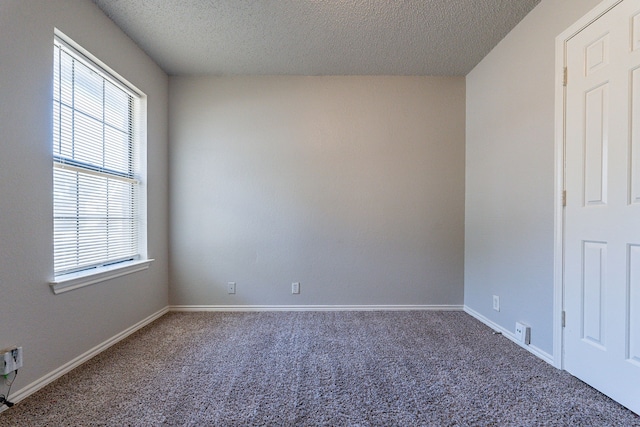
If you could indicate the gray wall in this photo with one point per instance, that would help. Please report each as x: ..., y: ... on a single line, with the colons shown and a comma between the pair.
x: 510, y: 173
x: 54, y: 329
x: 353, y: 186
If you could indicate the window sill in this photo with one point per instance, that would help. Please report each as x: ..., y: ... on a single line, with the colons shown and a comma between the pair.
x: 72, y: 281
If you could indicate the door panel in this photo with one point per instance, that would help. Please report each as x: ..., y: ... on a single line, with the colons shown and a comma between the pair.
x: 596, y: 134
x: 594, y: 265
x: 633, y: 319
x: 635, y: 134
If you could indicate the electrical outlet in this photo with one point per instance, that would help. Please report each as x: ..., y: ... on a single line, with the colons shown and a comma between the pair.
x: 231, y: 288
x: 11, y: 360
x: 295, y: 288
x: 496, y: 303
x: 523, y: 333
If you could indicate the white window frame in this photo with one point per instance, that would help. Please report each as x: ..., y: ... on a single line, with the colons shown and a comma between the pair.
x: 68, y: 281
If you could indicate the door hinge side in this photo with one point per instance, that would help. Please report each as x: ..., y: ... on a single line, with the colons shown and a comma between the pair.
x: 564, y: 198
x: 564, y: 318
x: 565, y: 76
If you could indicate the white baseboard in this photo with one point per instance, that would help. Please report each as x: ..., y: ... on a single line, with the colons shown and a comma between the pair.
x: 511, y: 335
x: 230, y: 308
x: 67, y: 367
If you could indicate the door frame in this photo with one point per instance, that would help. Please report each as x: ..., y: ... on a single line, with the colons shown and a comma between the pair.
x: 559, y: 137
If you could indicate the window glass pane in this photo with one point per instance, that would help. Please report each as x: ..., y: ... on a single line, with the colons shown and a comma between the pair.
x: 88, y: 93
x: 116, y: 112
x: 56, y: 127
x: 66, y: 79
x: 88, y: 142
x: 65, y: 132
x: 116, y: 152
x: 56, y: 73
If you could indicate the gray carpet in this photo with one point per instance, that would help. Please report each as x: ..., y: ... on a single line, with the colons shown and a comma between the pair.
x: 317, y: 369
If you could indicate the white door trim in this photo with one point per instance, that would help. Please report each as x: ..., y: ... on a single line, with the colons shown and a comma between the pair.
x: 558, y: 284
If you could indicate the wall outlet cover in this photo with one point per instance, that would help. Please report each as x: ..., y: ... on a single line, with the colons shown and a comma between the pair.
x: 496, y: 303
x: 11, y: 360
x: 231, y: 288
x: 523, y: 333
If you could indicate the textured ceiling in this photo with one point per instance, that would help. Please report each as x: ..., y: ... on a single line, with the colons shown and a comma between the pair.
x: 317, y: 37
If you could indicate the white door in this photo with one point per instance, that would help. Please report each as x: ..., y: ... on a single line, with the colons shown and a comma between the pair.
x: 602, y: 214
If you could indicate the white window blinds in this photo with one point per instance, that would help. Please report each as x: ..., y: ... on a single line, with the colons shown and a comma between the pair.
x: 95, y: 166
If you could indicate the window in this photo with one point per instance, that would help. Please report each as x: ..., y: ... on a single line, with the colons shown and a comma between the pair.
x: 98, y: 190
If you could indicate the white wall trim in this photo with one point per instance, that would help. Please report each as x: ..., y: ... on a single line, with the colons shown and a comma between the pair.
x: 67, y: 367
x: 559, y: 136
x: 223, y: 308
x: 536, y: 351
